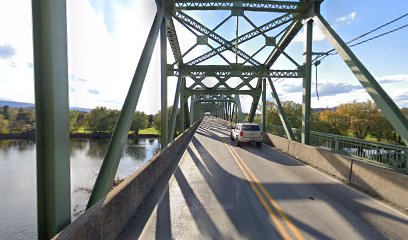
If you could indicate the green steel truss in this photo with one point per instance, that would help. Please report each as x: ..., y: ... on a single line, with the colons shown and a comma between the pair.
x: 234, y: 71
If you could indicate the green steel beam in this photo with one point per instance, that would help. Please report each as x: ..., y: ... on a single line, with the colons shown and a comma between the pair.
x: 165, y: 136
x: 307, y: 84
x: 254, y: 5
x: 194, y: 25
x: 282, y: 114
x: 174, y: 112
x: 51, y: 111
x: 192, y: 120
x: 223, y: 71
x: 117, y: 143
x: 286, y: 39
x: 182, y: 104
x: 190, y: 92
x: 263, y: 126
x: 255, y: 102
x: 390, y: 110
x: 239, y: 108
x: 257, y: 31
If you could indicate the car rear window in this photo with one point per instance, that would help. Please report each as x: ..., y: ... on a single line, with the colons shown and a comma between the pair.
x: 251, y: 128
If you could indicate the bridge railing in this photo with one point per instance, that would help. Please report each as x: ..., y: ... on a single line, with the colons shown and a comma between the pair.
x: 389, y: 155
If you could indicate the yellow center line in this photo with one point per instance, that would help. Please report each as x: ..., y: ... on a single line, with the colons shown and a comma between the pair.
x: 272, y: 201
x: 281, y: 229
x: 263, y: 189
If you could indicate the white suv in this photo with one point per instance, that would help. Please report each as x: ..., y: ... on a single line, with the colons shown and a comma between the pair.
x: 247, y: 132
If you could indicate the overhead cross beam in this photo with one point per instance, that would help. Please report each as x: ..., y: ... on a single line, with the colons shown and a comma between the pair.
x: 264, y: 6
x: 228, y: 71
x: 190, y: 22
x: 277, y: 22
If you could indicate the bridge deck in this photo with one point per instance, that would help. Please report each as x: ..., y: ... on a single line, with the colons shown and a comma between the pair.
x: 223, y: 191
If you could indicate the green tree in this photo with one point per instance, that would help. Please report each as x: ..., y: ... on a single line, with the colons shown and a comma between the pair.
x: 24, y: 120
x: 73, y: 119
x: 157, y: 119
x: 139, y: 122
x: 4, y: 124
x: 6, y: 112
x: 101, y: 120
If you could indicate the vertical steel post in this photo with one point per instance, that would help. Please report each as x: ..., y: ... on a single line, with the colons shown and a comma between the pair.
x: 263, y: 104
x: 165, y: 136
x: 51, y: 112
x: 174, y: 112
x: 117, y: 143
x: 307, y: 84
x: 192, y: 110
x: 281, y: 112
x: 390, y: 110
x: 182, y: 99
x: 241, y: 116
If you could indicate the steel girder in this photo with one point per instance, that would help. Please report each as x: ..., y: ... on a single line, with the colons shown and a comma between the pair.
x: 114, y: 152
x: 173, y: 40
x: 287, y: 38
x: 190, y: 92
x: 282, y: 114
x: 226, y: 71
x: 51, y: 112
x: 191, y: 23
x: 255, y: 101
x: 261, y: 30
x: 256, y: 5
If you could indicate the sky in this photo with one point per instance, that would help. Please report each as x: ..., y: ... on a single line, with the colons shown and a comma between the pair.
x: 106, y: 38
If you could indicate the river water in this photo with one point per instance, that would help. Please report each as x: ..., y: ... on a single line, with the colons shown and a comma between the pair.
x: 18, y: 178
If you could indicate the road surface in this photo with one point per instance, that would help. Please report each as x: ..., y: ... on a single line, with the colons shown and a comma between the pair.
x: 220, y: 191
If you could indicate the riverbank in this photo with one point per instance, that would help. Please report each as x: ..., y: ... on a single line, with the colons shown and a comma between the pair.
x: 31, y: 135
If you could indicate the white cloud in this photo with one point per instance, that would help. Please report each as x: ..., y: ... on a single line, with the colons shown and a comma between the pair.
x: 348, y: 19
x: 398, y: 78
x: 317, y: 35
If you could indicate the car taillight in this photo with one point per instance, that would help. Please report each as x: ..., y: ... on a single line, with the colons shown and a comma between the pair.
x: 241, y: 134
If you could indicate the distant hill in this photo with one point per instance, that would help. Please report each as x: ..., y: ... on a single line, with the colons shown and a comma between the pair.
x: 323, y: 109
x: 31, y: 105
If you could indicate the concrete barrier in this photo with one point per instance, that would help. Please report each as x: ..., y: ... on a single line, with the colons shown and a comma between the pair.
x: 106, y: 219
x: 382, y: 182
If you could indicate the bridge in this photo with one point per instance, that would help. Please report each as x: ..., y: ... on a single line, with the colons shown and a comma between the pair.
x: 299, y: 185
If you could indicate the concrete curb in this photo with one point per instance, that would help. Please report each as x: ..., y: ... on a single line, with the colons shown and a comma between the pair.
x: 106, y: 219
x: 384, y: 183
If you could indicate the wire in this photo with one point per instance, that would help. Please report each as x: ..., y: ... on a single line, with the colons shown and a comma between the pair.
x: 330, y: 52
x: 318, y: 59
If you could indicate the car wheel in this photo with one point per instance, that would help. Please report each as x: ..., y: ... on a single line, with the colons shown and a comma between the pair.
x: 238, y: 143
x: 259, y: 144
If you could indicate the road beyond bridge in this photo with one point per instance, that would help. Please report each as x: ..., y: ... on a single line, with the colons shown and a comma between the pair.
x: 221, y: 191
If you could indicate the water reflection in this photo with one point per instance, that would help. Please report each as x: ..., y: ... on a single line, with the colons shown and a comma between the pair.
x: 18, y: 180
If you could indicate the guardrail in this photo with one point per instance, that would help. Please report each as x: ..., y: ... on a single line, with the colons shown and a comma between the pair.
x: 389, y: 155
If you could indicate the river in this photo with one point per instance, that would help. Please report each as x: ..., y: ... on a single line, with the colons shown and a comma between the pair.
x: 18, y: 178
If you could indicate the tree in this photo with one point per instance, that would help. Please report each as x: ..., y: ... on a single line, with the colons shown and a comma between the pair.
x: 338, y: 122
x: 24, y: 120
x: 157, y: 119
x: 139, y: 122
x: 101, y: 120
x: 3, y: 125
x: 73, y: 120
x: 6, y: 112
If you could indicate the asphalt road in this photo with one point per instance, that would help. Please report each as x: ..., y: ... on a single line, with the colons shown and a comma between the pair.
x: 220, y: 191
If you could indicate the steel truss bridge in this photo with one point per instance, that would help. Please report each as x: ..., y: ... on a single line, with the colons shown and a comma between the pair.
x: 221, y: 98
